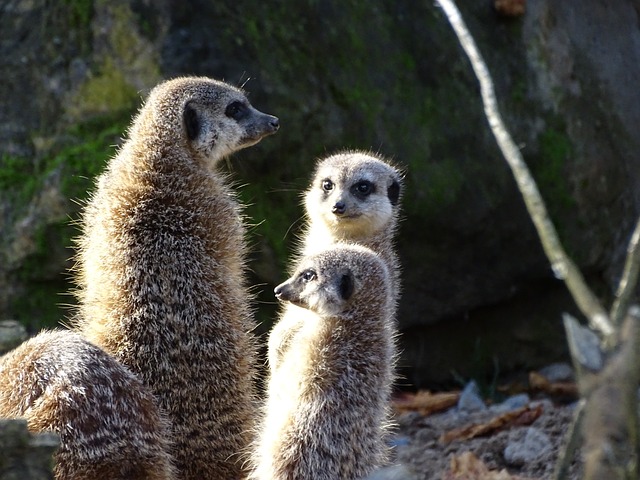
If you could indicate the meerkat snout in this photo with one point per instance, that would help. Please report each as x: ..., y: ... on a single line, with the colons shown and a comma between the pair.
x: 339, y: 208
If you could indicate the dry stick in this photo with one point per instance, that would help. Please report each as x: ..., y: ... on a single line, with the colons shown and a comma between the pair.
x: 629, y: 279
x: 563, y: 267
x: 564, y: 460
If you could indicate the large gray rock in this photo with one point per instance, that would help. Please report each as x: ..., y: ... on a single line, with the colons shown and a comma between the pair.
x: 24, y: 456
x: 478, y: 293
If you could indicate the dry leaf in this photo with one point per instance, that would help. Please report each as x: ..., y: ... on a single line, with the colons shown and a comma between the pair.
x: 425, y: 402
x: 510, y: 8
x: 467, y: 466
x: 561, y: 390
x: 522, y: 416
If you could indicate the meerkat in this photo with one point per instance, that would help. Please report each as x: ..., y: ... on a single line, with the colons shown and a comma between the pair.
x: 161, y: 268
x: 107, y: 420
x: 354, y: 197
x: 326, y: 412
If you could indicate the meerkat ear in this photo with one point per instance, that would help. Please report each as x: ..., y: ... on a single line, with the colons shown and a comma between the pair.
x: 346, y: 286
x: 191, y: 122
x: 393, y: 192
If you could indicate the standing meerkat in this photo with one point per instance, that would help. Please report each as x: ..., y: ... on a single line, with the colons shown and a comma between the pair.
x: 161, y: 268
x: 326, y: 412
x: 107, y: 420
x: 354, y: 197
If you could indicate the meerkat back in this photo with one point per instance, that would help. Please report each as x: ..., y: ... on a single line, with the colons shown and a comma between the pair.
x: 161, y: 268
x: 107, y: 420
x: 354, y: 197
x: 327, y: 408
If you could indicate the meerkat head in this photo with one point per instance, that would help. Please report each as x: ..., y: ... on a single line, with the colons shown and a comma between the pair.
x: 215, y: 118
x: 331, y: 281
x: 355, y: 194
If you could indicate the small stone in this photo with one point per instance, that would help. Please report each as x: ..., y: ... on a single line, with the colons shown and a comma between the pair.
x: 526, y: 446
x: 557, y: 372
x: 470, y: 400
x: 394, y: 472
x: 398, y: 441
x: 512, y: 403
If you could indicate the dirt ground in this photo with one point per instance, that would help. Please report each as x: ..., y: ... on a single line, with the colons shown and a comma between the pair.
x: 422, y: 450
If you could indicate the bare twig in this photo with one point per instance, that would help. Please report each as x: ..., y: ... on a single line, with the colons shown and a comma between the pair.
x: 572, y: 442
x: 563, y: 267
x: 629, y: 279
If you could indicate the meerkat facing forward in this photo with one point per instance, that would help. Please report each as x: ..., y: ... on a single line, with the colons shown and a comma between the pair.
x: 327, y: 407
x: 161, y: 268
x: 107, y: 420
x: 354, y: 197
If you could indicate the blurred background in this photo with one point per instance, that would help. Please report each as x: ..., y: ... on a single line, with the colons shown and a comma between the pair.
x: 479, y: 298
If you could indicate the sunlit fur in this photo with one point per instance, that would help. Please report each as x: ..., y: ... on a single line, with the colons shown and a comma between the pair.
x: 161, y: 269
x: 371, y: 222
x: 326, y: 414
x: 107, y: 420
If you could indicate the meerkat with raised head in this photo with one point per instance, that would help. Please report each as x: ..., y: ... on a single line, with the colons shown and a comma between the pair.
x: 354, y: 197
x: 107, y: 420
x: 326, y: 413
x: 161, y: 268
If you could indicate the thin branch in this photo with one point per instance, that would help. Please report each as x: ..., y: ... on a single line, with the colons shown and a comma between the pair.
x: 629, y: 279
x: 565, y: 457
x: 563, y: 267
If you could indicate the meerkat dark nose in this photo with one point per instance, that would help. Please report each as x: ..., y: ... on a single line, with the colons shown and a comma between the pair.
x: 339, y: 208
x: 284, y: 292
x: 275, y: 123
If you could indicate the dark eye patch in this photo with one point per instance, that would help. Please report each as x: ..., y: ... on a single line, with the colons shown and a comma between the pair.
x: 236, y: 110
x: 362, y: 189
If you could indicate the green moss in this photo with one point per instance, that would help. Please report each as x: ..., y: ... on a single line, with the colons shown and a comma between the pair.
x: 107, y: 92
x: 18, y: 178
x: 80, y: 12
x: 550, y: 174
x: 444, y: 182
x: 89, y: 146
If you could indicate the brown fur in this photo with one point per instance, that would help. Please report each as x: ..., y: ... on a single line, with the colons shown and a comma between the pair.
x: 108, y: 422
x: 327, y: 408
x: 161, y: 265
x: 369, y: 220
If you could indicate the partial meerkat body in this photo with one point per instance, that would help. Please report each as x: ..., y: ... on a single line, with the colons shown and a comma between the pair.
x: 107, y: 420
x: 327, y: 407
x: 354, y: 197
x: 161, y: 268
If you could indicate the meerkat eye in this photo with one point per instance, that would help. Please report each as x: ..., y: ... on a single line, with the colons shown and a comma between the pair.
x: 236, y: 110
x: 308, y: 275
x: 363, y: 188
x: 327, y: 185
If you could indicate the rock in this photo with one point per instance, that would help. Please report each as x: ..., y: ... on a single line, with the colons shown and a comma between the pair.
x: 512, y: 403
x: 395, y: 472
x: 470, y: 400
x: 25, y: 456
x: 12, y: 334
x: 557, y: 372
x: 476, y: 284
x: 526, y: 446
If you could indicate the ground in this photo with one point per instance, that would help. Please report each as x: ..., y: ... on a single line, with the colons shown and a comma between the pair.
x: 516, y: 440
